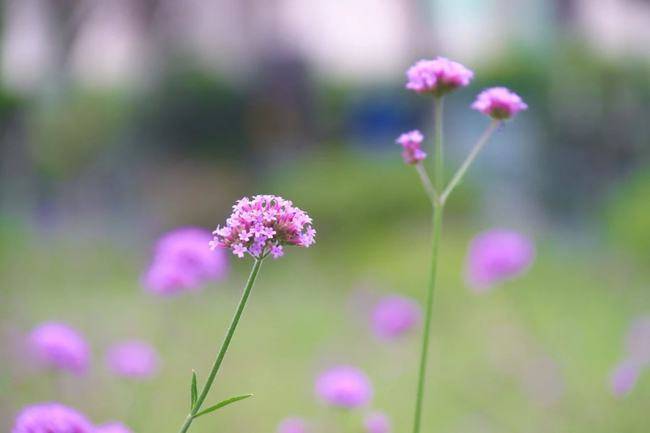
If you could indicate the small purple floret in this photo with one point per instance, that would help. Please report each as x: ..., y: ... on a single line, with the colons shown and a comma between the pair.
x: 411, y: 143
x: 344, y: 386
x: 376, y: 422
x: 59, y: 346
x: 393, y: 316
x: 292, y: 425
x: 624, y: 378
x: 438, y: 76
x: 51, y: 418
x: 133, y: 359
x: 499, y: 103
x: 496, y: 256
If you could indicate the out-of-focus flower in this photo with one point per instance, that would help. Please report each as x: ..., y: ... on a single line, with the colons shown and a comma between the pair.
x: 437, y: 76
x: 411, y: 143
x: 51, y: 418
x: 133, y: 359
x: 59, y: 346
x: 262, y: 225
x: 499, y: 103
x: 112, y: 427
x: 183, y: 261
x: 344, y: 386
x: 394, y: 315
x: 376, y: 422
x: 624, y: 378
x: 292, y: 425
x: 638, y: 341
x: 495, y: 256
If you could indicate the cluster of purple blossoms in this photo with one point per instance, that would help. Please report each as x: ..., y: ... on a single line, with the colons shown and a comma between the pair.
x: 292, y: 425
x: 636, y: 360
x: 376, y: 422
x: 393, y: 316
x: 411, y: 143
x: 344, y: 386
x: 263, y: 225
x: 133, y: 359
x: 495, y: 256
x: 183, y: 262
x: 499, y: 103
x: 51, y: 418
x: 437, y: 76
x: 59, y: 346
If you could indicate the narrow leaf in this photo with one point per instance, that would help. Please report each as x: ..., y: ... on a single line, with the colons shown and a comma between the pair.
x: 193, y: 391
x: 222, y: 404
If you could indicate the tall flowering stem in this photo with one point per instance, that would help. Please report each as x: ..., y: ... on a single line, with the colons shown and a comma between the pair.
x: 224, y: 346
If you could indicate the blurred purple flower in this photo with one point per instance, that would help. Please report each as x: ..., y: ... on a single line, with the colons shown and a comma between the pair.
x: 394, y: 315
x: 112, y: 427
x: 376, y: 422
x: 495, y: 256
x: 411, y: 143
x: 133, y: 359
x: 624, y: 378
x: 51, y: 418
x: 292, y: 425
x: 499, y: 103
x: 59, y: 346
x: 344, y: 386
x: 638, y: 341
x: 183, y: 261
x: 437, y: 76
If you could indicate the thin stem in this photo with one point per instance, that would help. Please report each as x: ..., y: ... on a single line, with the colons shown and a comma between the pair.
x: 438, y: 210
x: 426, y: 182
x: 458, y: 176
x: 224, y: 347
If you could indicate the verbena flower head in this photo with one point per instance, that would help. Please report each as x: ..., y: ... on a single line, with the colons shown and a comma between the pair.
x: 499, y: 103
x: 263, y: 225
x: 438, y: 76
x: 394, y: 315
x: 133, y: 359
x: 376, y: 422
x: 183, y: 262
x: 495, y: 256
x: 292, y: 425
x: 57, y: 345
x: 624, y: 378
x: 638, y: 341
x: 51, y: 418
x: 411, y: 143
x: 112, y: 427
x: 344, y: 386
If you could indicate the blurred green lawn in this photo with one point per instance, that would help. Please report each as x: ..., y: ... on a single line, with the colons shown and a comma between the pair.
x: 573, y: 307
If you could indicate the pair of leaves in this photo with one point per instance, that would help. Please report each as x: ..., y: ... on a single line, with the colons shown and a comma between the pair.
x: 194, y: 396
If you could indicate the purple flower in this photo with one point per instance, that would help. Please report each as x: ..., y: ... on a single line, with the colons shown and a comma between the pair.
x: 394, y: 315
x: 59, y: 346
x: 183, y: 261
x: 411, y: 143
x: 638, y: 341
x: 376, y: 422
x: 133, y: 359
x: 495, y: 256
x: 112, y: 427
x: 344, y: 386
x: 437, y: 76
x: 499, y: 103
x: 262, y: 225
x: 624, y: 378
x: 50, y: 418
x: 292, y: 425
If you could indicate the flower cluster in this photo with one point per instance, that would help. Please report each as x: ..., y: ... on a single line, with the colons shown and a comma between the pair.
x: 411, y: 143
x: 394, y: 315
x: 499, y: 103
x: 133, y: 359
x: 376, y: 422
x: 182, y: 262
x: 438, y: 76
x: 637, y: 358
x: 59, y: 346
x: 51, y: 418
x: 495, y: 256
x: 344, y: 386
x: 292, y: 425
x: 262, y: 225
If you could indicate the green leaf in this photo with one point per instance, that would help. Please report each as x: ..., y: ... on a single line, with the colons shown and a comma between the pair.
x: 222, y: 404
x: 193, y: 391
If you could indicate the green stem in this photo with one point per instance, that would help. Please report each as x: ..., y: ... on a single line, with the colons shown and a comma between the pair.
x: 435, y: 242
x: 224, y: 347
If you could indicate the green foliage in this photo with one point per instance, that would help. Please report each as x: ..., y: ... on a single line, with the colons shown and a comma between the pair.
x: 223, y: 403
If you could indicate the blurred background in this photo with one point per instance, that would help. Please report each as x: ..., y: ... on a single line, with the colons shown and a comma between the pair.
x: 123, y: 119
